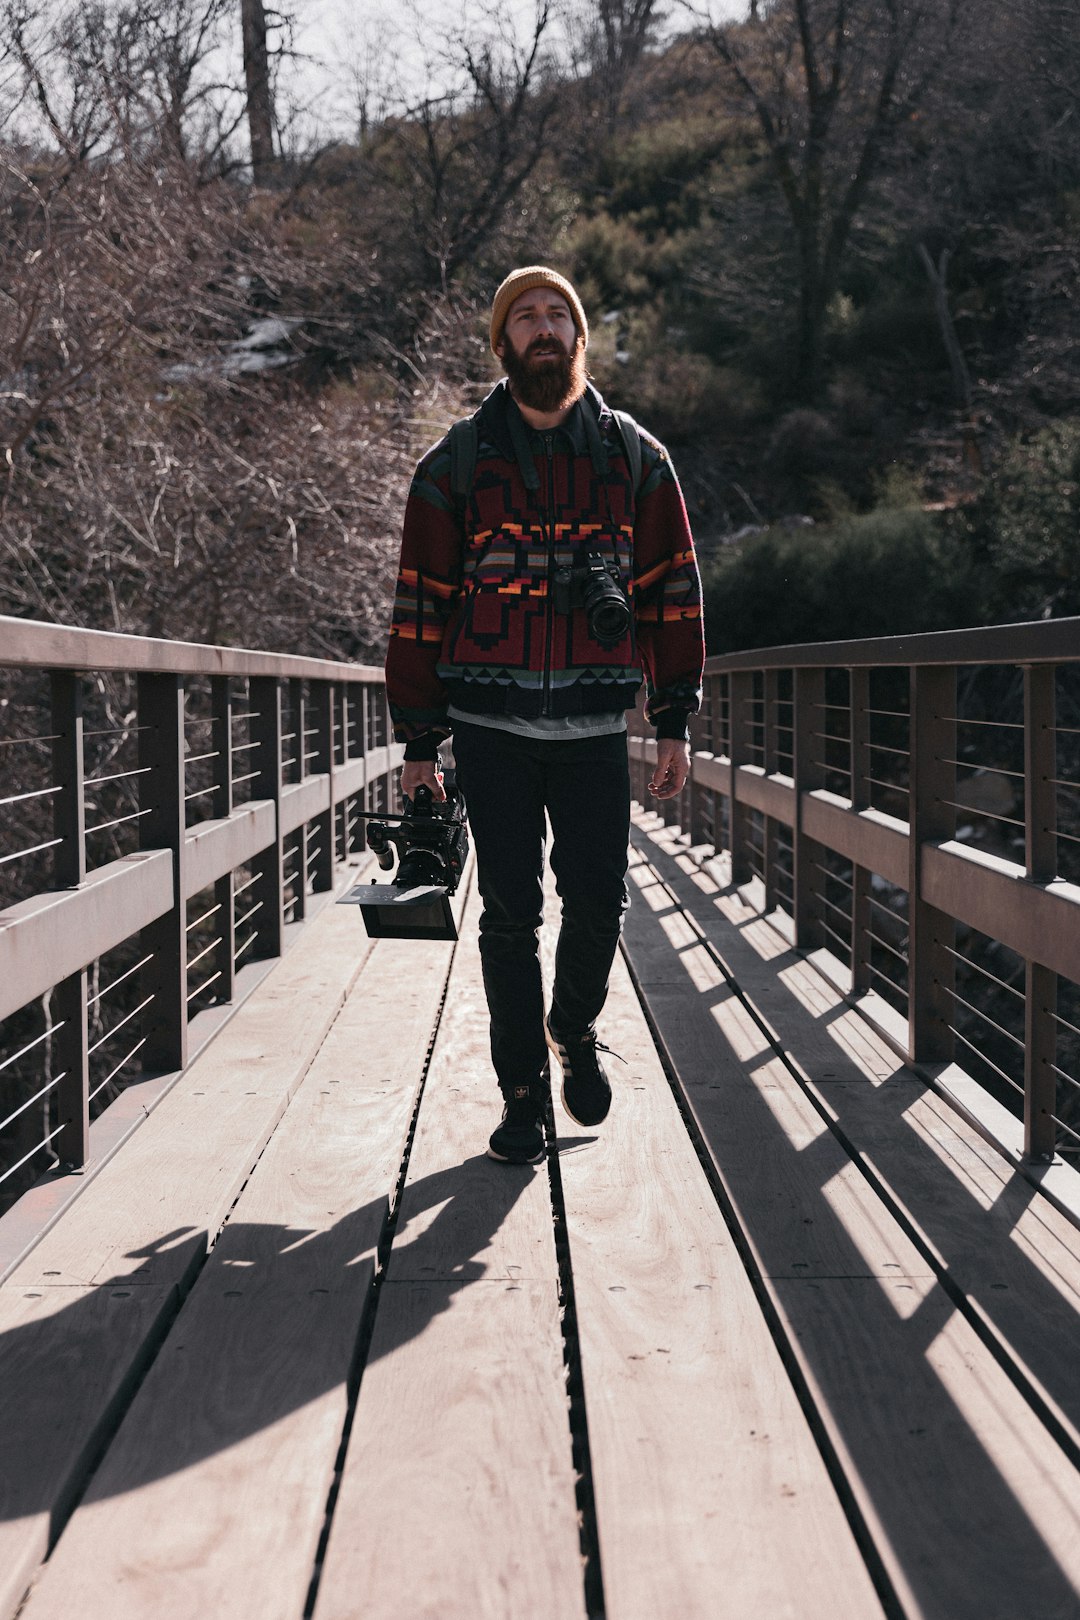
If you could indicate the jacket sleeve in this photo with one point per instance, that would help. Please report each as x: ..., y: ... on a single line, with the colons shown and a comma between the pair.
x: 667, y: 596
x: 428, y: 588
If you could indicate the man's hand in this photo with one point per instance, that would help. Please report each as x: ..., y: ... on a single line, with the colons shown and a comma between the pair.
x: 422, y: 773
x: 672, y: 767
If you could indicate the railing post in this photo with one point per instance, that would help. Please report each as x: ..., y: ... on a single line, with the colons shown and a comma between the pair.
x: 162, y: 826
x: 1040, y: 859
x: 770, y: 699
x: 69, y: 1047
x: 698, y: 740
x: 861, y: 888
x: 740, y: 693
x: 324, y: 699
x: 269, y: 865
x: 222, y: 744
x: 295, y: 771
x: 932, y: 818
x: 808, y: 709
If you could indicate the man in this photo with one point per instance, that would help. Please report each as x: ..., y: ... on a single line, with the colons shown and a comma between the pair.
x: 527, y: 604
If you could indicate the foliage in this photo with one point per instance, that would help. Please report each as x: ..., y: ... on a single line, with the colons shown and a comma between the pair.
x: 1033, y: 521
x: 881, y: 573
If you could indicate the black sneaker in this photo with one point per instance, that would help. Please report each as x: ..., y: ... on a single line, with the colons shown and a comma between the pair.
x: 519, y: 1136
x: 586, y: 1091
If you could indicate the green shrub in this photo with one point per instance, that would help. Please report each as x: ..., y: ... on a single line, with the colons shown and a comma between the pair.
x: 887, y: 572
x: 1033, y: 525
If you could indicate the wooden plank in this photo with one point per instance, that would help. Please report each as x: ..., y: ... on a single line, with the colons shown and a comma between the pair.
x: 59, y: 1398
x: 147, y: 1219
x: 457, y: 1498
x: 974, y: 1509
x: 186, y: 1165
x: 916, y: 1405
x: 712, y: 1498
x: 1016, y: 1258
x: 250, y: 1386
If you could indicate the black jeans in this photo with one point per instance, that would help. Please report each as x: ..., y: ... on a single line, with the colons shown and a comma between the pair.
x: 584, y: 785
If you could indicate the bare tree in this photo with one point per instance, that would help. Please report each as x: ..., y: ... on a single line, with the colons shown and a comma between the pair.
x: 833, y: 84
x: 465, y: 155
x: 260, y: 111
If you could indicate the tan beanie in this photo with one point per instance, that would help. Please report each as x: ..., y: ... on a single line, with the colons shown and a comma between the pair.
x: 521, y: 281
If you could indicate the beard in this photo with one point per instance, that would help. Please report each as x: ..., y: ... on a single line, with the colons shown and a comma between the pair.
x: 546, y: 376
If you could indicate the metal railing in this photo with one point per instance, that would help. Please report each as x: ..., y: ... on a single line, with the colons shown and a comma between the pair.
x: 911, y: 807
x: 168, y: 811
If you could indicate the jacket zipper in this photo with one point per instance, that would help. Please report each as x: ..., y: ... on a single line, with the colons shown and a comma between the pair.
x: 549, y: 537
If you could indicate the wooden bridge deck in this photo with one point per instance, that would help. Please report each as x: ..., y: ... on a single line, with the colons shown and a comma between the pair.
x: 785, y: 1338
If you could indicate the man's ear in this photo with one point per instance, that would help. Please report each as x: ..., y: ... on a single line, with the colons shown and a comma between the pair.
x: 499, y: 347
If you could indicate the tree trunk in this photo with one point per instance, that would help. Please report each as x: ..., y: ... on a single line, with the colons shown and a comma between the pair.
x: 257, y: 76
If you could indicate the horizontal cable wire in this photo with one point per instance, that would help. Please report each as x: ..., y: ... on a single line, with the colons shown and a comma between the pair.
x: 50, y: 1085
x: 118, y: 821
x: 11, y: 742
x: 205, y: 985
x: 27, y: 1156
x: 114, y: 1072
x: 118, y: 776
x: 35, y: 849
x: 976, y: 967
x: 990, y: 1064
x: 884, y: 977
x: 884, y: 943
x: 204, y: 918
x: 101, y: 994
x: 963, y: 720
x: 213, y: 945
x: 1066, y: 1128
x: 29, y: 1047
x: 986, y: 1018
x: 881, y: 906
x: 966, y: 765
x: 240, y: 921
x: 118, y: 1027
x: 33, y: 793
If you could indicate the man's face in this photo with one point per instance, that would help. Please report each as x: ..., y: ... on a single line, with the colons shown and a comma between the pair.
x: 542, y: 351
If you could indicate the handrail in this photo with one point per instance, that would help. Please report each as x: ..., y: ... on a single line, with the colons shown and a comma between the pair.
x: 31, y: 644
x: 1044, y: 641
x: 919, y: 833
x: 172, y: 841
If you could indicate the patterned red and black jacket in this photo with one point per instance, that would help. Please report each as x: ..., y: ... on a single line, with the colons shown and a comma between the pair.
x: 474, y: 623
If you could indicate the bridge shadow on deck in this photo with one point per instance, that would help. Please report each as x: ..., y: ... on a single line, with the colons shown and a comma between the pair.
x: 915, y: 1352
x: 300, y: 1305
x: 932, y: 1345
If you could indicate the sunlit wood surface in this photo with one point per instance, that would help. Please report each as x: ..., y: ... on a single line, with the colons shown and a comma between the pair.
x: 784, y: 1338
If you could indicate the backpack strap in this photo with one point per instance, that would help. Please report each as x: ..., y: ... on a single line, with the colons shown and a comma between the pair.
x: 630, y: 434
x: 464, y: 437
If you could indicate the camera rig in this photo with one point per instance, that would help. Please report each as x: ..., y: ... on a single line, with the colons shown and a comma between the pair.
x: 431, y: 844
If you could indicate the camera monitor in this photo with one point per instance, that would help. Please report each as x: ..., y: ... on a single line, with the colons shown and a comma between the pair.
x: 390, y: 912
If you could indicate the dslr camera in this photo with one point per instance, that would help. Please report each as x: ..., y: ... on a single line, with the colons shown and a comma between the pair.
x: 594, y: 586
x: 431, y: 845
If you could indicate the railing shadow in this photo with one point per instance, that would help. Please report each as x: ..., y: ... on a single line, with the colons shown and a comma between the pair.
x: 969, y: 1522
x: 272, y: 1324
